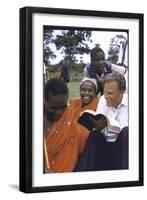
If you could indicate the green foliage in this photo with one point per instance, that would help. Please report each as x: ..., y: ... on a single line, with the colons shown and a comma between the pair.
x: 72, y: 43
x: 52, y: 68
x: 74, y: 89
x: 47, y: 39
x: 114, y: 48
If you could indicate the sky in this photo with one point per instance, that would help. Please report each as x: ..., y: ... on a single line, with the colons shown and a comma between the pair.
x: 98, y: 37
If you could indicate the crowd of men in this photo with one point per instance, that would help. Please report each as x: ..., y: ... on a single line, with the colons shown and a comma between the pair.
x: 69, y: 146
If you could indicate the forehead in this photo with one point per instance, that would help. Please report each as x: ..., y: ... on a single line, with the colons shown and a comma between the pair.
x: 111, y: 85
x: 98, y: 55
x: 58, y: 100
x: 87, y: 84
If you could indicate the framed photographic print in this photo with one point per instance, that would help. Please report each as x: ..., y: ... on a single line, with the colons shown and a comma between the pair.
x: 72, y: 61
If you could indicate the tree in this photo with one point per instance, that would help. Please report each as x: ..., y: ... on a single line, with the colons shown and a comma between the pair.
x: 47, y: 39
x: 72, y: 43
x: 113, y: 51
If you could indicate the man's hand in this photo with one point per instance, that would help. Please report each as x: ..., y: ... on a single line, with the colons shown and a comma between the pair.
x: 100, y: 124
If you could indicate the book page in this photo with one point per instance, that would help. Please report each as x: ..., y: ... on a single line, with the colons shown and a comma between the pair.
x: 113, y: 125
x: 89, y: 111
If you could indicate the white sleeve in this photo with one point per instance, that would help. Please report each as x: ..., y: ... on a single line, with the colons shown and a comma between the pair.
x: 102, y: 106
x: 120, y: 69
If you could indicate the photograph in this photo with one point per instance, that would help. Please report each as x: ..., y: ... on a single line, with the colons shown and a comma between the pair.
x: 80, y: 125
x: 75, y: 58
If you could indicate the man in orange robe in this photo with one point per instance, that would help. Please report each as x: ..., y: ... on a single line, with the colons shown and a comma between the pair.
x: 88, y: 100
x: 64, y: 143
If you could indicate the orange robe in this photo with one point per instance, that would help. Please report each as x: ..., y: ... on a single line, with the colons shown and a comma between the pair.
x: 66, y: 140
x: 64, y: 143
x: 76, y: 104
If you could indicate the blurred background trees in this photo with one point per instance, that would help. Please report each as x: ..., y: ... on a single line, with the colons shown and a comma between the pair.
x: 70, y: 47
x: 114, y: 47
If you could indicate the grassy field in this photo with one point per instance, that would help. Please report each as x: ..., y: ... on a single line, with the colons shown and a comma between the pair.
x: 74, y: 89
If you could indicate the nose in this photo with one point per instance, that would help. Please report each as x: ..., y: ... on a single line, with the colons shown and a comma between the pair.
x: 86, y: 92
x: 106, y: 96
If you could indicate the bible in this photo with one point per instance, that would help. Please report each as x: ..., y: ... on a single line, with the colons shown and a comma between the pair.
x: 91, y: 120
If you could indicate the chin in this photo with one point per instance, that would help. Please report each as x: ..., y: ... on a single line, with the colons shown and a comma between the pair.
x: 109, y: 104
x: 86, y: 102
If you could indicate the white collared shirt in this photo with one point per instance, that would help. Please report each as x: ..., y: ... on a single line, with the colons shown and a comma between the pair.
x: 120, y: 113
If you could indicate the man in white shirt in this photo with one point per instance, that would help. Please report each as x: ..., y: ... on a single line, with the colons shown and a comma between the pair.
x: 105, y: 150
x: 114, y: 102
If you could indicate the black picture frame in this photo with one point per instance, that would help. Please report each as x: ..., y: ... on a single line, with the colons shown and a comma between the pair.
x: 26, y: 98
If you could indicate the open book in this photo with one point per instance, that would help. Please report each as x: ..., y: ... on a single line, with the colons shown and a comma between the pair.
x: 91, y: 121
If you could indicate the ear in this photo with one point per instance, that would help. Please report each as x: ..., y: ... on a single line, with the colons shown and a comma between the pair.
x: 122, y: 92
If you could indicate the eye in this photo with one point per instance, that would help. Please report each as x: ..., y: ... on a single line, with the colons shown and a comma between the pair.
x: 83, y: 89
x: 90, y: 90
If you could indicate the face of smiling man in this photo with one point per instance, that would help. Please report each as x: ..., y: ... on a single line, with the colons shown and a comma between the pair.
x: 99, y: 62
x: 87, y: 92
x: 112, y: 93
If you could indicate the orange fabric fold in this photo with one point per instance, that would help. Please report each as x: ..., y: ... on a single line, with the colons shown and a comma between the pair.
x: 66, y: 139
x: 65, y: 143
